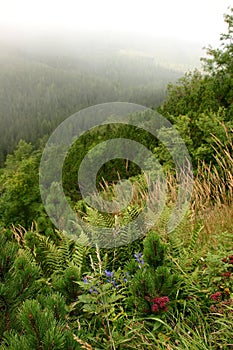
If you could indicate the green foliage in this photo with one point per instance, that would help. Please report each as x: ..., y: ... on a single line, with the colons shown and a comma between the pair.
x: 219, y: 65
x: 66, y: 283
x: 198, y: 103
x: 55, y: 257
x: 19, y: 189
x: 96, y: 307
x: 18, y: 281
x: 113, y: 170
x: 154, y: 251
x: 120, y: 234
x: 28, y: 322
x: 62, y: 261
x: 154, y: 278
x: 192, y: 94
x: 42, y: 325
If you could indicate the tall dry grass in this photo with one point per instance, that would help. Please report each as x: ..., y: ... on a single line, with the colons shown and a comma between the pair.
x: 211, y: 199
x: 213, y: 189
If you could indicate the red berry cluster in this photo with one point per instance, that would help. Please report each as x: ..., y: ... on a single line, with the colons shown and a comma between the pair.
x: 228, y: 260
x: 226, y: 274
x: 216, y: 296
x: 160, y: 304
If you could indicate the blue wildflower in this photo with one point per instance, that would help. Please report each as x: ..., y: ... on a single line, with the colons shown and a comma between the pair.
x: 85, y: 280
x: 109, y: 273
x: 93, y: 290
x: 142, y: 262
x: 114, y: 283
x: 139, y: 259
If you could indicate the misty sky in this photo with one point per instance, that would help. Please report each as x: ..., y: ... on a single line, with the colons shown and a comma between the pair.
x: 193, y: 20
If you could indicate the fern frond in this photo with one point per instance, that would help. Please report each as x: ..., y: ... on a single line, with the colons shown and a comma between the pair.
x: 50, y: 256
x: 194, y: 238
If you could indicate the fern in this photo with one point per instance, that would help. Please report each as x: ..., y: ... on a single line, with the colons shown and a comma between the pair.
x: 194, y: 238
x: 80, y: 250
x: 50, y: 256
x: 123, y: 225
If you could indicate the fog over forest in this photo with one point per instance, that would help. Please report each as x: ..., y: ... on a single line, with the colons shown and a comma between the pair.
x: 45, y: 77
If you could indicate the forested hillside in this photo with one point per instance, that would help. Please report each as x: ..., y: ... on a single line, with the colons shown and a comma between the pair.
x: 165, y: 289
x: 38, y: 90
